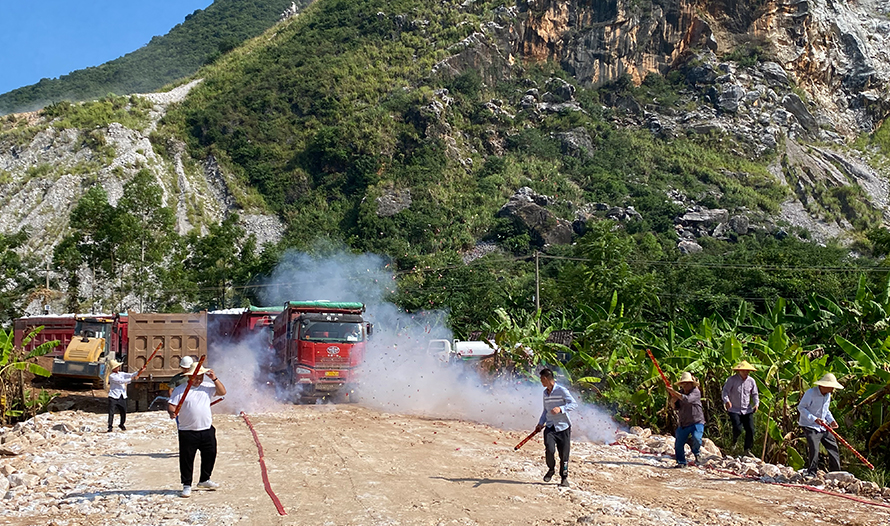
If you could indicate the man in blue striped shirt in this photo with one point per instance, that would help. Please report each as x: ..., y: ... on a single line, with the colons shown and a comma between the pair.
x: 814, y: 416
x: 556, y: 425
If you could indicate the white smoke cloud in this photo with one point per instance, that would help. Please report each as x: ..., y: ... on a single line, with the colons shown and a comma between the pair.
x: 397, y: 375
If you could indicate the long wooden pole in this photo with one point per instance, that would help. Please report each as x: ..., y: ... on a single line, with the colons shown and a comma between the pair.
x: 188, y: 386
x: 658, y: 367
x: 844, y: 442
x: 526, y: 439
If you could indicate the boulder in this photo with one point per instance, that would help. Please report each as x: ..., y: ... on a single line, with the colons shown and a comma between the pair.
x: 576, y: 142
x: 869, y: 489
x: 774, y: 74
x: 798, y: 108
x: 545, y: 227
x: 393, y: 201
x: 739, y: 224
x: 558, y: 91
x: 709, y: 447
x: 704, y: 216
x: 729, y: 98
x: 689, y: 247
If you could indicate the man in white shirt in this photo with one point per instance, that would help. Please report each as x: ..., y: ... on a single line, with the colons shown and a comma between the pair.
x: 195, y: 423
x: 814, y: 416
x: 117, y: 393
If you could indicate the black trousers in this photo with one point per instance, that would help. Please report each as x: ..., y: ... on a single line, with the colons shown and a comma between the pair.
x: 745, y: 422
x: 114, y: 405
x: 190, y: 442
x: 558, y: 441
x: 814, y: 438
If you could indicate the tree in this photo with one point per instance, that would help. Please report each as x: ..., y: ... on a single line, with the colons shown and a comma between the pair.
x: 17, y: 274
x: 218, y: 262
x: 148, y: 226
x: 98, y: 234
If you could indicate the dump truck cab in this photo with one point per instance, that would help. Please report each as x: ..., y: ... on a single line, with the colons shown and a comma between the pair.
x: 318, y: 347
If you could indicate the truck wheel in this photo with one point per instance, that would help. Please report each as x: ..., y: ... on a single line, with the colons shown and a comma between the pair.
x: 101, y: 383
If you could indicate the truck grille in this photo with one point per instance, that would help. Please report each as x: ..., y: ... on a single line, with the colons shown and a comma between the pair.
x: 331, y: 361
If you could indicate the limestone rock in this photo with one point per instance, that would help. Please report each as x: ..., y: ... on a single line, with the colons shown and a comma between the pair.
x: 545, y: 227
x: 798, y: 108
x: 576, y: 142
x: 393, y: 202
x: 689, y: 247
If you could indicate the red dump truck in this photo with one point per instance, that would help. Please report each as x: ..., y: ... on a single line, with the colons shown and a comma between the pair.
x: 60, y: 327
x: 318, y: 346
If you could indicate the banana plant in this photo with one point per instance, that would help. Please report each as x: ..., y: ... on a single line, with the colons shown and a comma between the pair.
x: 13, y: 359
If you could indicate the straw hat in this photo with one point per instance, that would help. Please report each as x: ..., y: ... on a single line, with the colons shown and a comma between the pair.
x: 829, y: 381
x: 186, y: 362
x: 686, y: 377
x: 194, y: 366
x: 744, y: 366
x: 113, y: 364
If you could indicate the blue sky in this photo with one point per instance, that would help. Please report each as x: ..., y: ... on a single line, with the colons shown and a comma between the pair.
x: 49, y: 38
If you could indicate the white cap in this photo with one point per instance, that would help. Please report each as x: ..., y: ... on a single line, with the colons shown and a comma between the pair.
x: 186, y: 362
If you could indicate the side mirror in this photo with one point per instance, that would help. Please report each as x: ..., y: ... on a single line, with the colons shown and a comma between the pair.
x: 369, y: 327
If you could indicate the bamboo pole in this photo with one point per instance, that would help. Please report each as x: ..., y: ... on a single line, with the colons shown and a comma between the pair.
x: 658, y: 367
x: 188, y: 386
x: 526, y: 439
x: 844, y: 442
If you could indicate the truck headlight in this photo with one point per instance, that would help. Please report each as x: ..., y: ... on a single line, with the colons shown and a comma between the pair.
x: 302, y: 370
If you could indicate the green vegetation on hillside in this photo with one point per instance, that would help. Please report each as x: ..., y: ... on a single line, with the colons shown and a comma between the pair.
x: 340, y: 108
x: 201, y: 38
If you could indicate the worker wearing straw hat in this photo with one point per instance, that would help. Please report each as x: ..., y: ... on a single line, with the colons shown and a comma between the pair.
x: 117, y: 393
x: 692, y: 417
x: 741, y: 399
x: 195, y: 424
x: 814, y: 412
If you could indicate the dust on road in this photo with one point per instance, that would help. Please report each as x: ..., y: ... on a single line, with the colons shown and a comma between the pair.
x: 349, y: 465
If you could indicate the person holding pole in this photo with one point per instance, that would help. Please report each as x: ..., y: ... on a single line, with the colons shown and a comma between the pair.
x: 692, y: 417
x: 195, y: 423
x: 117, y: 393
x: 741, y: 399
x: 185, y: 363
x: 814, y: 414
x: 557, y: 426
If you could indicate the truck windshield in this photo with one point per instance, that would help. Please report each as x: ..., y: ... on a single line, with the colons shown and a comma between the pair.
x: 91, y: 329
x: 325, y: 331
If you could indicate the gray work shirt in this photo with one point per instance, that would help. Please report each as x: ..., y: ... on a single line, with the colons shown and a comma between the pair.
x: 690, y: 409
x: 741, y: 393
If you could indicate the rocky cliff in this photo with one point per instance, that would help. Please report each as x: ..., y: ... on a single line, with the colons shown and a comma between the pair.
x: 838, y: 52
x: 771, y: 77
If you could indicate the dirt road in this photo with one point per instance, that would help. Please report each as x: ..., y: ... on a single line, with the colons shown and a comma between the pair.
x: 348, y: 465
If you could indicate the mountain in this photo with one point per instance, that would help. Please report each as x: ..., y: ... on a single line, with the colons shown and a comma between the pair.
x: 438, y: 134
x: 199, y: 39
x: 460, y: 104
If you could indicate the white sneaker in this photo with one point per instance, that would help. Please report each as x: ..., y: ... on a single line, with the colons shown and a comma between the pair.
x: 186, y: 492
x: 208, y: 484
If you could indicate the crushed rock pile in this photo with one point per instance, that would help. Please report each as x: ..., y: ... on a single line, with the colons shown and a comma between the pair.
x: 64, y: 467
x: 711, y: 457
